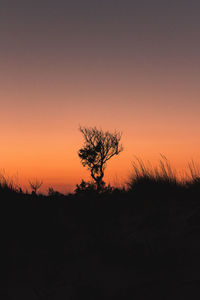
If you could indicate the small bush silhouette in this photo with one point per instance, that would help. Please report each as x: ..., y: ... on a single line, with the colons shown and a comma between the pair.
x: 35, y: 185
x: 85, y: 187
x: 53, y: 193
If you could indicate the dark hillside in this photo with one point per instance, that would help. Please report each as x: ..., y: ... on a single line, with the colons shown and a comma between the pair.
x: 140, y: 243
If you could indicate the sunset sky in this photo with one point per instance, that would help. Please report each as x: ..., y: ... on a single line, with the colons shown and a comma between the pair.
x: 130, y: 65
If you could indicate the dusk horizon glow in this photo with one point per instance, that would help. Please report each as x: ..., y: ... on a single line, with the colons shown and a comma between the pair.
x: 133, y: 66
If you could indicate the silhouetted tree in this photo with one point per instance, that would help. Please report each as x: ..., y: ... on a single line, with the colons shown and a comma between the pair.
x: 99, y: 147
x: 35, y: 185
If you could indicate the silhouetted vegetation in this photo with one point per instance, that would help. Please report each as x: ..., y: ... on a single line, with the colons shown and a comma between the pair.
x: 141, y: 241
x: 35, y: 185
x: 99, y: 147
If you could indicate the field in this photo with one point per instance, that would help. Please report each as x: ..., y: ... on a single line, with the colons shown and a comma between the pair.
x: 138, y: 242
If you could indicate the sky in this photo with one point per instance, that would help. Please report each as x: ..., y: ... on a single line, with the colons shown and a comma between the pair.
x: 131, y: 65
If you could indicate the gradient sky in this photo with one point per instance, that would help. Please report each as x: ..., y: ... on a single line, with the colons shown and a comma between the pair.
x: 127, y: 65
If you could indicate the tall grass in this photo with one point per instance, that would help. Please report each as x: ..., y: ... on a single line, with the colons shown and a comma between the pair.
x: 7, y: 184
x: 162, y: 175
x: 146, y: 174
x: 194, y: 172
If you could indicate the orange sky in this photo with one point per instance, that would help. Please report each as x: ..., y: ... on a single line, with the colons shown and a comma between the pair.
x: 138, y: 75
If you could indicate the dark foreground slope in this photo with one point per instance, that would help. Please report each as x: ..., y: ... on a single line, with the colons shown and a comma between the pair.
x: 142, y: 244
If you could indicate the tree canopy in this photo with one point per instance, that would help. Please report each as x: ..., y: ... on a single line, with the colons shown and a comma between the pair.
x: 99, y: 147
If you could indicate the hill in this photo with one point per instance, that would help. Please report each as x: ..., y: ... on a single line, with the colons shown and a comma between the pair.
x: 119, y: 244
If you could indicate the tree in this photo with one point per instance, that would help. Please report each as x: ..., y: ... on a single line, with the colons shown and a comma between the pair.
x: 99, y: 147
x: 35, y: 185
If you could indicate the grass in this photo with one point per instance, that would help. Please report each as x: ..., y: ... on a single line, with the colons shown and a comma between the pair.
x: 108, y: 242
x: 8, y: 185
x: 163, y: 175
x: 145, y: 174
